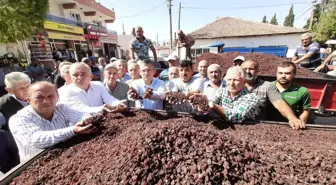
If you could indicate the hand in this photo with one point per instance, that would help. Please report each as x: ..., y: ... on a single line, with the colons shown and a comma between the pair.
x: 80, y: 128
x: 174, y: 100
x: 295, y: 62
x: 297, y: 124
x: 134, y: 94
x: 148, y: 94
x: 317, y: 70
x: 114, y: 109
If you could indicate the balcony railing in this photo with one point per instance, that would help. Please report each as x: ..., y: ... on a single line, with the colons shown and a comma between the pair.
x: 64, y: 20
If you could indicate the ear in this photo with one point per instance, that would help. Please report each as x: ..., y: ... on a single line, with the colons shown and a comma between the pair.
x: 28, y: 100
x: 9, y: 90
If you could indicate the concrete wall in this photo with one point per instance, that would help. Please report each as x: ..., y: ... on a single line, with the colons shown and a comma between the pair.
x: 55, y: 8
x: 124, y: 43
x: 290, y: 40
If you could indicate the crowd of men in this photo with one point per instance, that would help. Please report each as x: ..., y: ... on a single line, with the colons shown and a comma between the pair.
x: 39, y: 115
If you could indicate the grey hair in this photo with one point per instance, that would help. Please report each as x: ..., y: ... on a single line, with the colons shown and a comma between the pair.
x: 65, y: 69
x: 74, y: 66
x: 146, y: 62
x: 14, y: 77
x: 121, y: 61
x: 130, y: 64
x: 63, y: 64
x: 236, y: 70
x: 215, y: 66
x: 309, y: 35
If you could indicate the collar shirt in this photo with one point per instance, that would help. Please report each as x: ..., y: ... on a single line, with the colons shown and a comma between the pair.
x: 32, y: 133
x: 240, y: 108
x: 209, y: 89
x: 125, y: 78
x: 156, y: 101
x: 90, y: 101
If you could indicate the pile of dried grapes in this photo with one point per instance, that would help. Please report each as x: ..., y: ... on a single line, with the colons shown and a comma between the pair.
x: 138, y: 147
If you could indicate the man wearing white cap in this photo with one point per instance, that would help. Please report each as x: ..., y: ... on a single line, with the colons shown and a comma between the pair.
x: 173, y: 62
x: 116, y: 88
x: 238, y: 60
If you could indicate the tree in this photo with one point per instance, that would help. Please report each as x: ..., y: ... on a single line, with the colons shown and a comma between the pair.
x: 317, y: 15
x: 325, y: 28
x: 274, y: 20
x: 264, y: 19
x: 19, y: 19
x: 289, y: 20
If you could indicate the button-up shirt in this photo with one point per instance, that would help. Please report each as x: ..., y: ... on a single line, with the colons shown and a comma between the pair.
x: 125, y: 78
x: 209, y: 89
x: 156, y: 101
x: 141, y: 48
x: 198, y: 75
x: 32, y: 133
x: 242, y: 107
x: 90, y: 101
x: 314, y: 60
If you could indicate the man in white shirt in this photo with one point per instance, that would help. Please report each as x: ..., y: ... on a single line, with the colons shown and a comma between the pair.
x: 65, y: 74
x: 86, y: 95
x: 43, y: 124
x: 202, y: 70
x: 134, y: 72
x: 187, y: 83
x: 149, y: 92
x: 215, y: 82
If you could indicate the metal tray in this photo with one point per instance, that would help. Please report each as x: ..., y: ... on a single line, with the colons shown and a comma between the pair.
x: 16, y: 171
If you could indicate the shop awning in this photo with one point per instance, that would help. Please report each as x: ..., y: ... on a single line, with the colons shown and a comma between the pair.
x: 62, y: 36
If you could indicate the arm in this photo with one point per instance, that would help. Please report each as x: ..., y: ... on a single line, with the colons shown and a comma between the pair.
x: 29, y: 134
x: 305, y: 57
x: 304, y: 116
x: 107, y: 98
x: 218, y: 109
x: 132, y: 56
x: 325, y: 62
x: 284, y: 109
x: 154, y: 53
x: 2, y: 120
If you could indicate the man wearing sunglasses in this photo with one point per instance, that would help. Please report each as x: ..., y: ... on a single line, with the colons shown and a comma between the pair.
x: 308, y: 54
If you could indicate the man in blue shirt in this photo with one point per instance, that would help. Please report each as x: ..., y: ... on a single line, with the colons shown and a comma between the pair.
x: 35, y: 70
x: 308, y: 54
x: 148, y: 92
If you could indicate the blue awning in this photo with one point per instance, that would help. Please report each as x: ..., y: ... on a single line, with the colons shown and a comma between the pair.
x: 218, y: 44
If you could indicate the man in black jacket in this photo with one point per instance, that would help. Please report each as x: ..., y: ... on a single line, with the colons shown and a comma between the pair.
x: 9, y: 153
x: 17, y: 85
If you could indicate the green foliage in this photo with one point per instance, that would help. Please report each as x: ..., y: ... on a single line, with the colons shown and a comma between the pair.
x: 19, y: 19
x: 289, y: 20
x: 264, y: 19
x: 317, y: 15
x: 274, y: 20
x: 325, y: 28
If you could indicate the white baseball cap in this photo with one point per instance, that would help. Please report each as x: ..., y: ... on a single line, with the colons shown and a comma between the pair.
x: 242, y: 58
x: 172, y: 57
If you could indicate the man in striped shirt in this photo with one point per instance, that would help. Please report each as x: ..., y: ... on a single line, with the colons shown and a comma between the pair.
x: 43, y: 124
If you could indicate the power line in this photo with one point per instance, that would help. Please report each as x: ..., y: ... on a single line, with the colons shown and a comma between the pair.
x: 298, y: 17
x: 246, y: 7
x: 143, y: 12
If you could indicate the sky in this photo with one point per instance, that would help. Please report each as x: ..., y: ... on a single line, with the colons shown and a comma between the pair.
x: 153, y: 15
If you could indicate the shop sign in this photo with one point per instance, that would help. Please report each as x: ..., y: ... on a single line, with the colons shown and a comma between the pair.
x: 91, y: 37
x: 96, y: 30
x: 63, y: 27
x: 61, y: 36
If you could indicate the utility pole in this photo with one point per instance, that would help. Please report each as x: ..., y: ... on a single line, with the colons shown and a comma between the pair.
x: 171, y: 28
x: 179, y: 18
x: 312, y: 15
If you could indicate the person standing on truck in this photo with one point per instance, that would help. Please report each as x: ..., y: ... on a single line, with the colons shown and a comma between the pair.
x: 140, y: 45
x: 186, y: 41
x: 308, y: 54
x: 268, y: 93
x: 296, y: 96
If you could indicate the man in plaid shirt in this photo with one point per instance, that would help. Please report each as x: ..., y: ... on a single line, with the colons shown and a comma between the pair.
x: 235, y: 102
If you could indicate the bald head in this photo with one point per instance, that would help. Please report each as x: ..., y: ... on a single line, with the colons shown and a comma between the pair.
x: 173, y: 73
x: 180, y: 34
x: 203, y: 67
x: 139, y: 32
x: 81, y: 75
x: 43, y: 98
